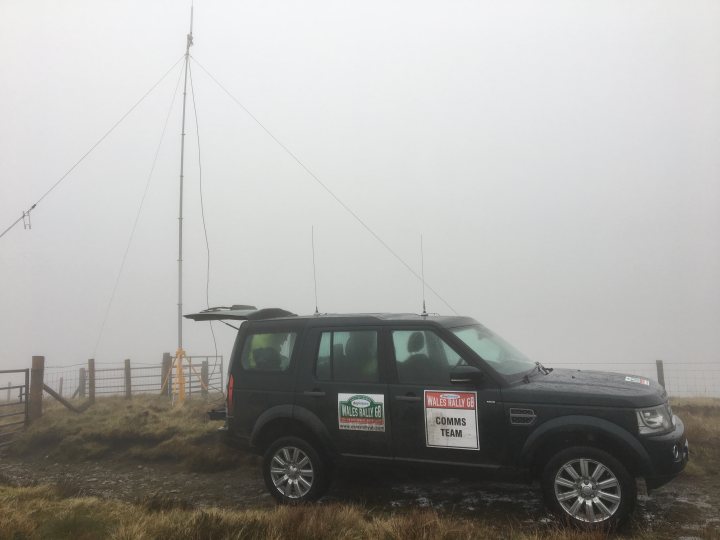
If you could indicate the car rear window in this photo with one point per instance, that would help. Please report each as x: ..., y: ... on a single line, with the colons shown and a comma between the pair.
x: 268, y: 351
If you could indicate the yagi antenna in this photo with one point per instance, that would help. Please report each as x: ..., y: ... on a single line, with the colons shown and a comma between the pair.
x: 312, y: 234
x: 422, y: 273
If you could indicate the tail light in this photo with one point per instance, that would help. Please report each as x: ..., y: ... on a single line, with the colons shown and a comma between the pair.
x: 231, y: 383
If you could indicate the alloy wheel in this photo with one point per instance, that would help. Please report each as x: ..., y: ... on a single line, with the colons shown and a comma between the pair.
x: 587, y: 490
x: 292, y: 472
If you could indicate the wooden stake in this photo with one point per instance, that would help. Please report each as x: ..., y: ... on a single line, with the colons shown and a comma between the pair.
x: 37, y: 375
x: 128, y: 380
x: 91, y: 376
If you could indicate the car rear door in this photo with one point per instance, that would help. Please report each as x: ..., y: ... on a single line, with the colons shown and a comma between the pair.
x: 342, y: 383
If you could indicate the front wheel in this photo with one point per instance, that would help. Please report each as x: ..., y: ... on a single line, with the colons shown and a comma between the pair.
x: 588, y: 487
x: 294, y: 471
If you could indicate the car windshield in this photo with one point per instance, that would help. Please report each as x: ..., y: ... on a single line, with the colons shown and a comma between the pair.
x: 497, y: 352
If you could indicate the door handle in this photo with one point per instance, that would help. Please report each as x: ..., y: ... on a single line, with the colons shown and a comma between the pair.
x: 408, y: 398
x: 314, y: 393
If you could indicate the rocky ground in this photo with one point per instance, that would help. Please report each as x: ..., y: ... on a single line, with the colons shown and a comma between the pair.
x: 686, y: 508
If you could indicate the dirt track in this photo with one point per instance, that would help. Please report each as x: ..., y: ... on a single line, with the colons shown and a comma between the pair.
x: 682, y: 509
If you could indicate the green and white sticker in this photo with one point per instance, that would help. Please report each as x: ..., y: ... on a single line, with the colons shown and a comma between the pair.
x: 361, y: 412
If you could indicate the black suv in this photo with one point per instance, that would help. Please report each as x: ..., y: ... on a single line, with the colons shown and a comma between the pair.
x: 309, y: 392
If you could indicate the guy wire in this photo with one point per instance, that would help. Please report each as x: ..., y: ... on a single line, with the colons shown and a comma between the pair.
x: 137, y: 217
x: 97, y: 143
x: 202, y: 214
x: 323, y: 185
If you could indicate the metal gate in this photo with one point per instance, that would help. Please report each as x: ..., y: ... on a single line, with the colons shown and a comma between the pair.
x: 13, y: 403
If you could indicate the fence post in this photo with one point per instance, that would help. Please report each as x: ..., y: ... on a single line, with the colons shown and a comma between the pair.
x: 165, y: 374
x: 128, y: 380
x: 660, y: 372
x: 60, y: 386
x: 91, y: 381
x: 82, y: 382
x: 25, y: 397
x: 190, y: 375
x: 204, y: 378
x: 36, y: 387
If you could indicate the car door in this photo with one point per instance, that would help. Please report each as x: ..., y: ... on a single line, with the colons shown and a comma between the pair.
x: 342, y: 383
x: 435, y: 419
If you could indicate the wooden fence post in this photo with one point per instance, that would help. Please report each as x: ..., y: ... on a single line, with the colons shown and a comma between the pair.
x: 165, y: 374
x: 37, y: 374
x: 128, y: 380
x: 91, y: 381
x: 190, y: 375
x: 204, y: 378
x: 660, y: 372
x: 82, y: 382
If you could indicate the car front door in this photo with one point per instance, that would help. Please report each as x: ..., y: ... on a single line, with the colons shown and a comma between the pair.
x: 434, y: 419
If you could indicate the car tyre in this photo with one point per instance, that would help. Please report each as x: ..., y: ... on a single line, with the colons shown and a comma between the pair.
x: 294, y: 471
x: 588, y: 488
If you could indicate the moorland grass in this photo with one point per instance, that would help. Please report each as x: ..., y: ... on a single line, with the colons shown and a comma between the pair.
x: 144, y: 429
x: 701, y: 417
x: 42, y: 512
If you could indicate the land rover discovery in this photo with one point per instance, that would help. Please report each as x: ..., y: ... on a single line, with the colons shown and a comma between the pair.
x: 311, y: 392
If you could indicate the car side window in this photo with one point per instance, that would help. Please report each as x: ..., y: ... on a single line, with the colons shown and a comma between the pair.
x: 270, y: 351
x: 423, y: 357
x: 348, y: 356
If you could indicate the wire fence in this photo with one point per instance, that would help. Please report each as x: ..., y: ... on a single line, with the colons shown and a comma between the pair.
x: 201, y: 374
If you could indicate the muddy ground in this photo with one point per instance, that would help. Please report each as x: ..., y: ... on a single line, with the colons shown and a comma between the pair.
x: 686, y: 508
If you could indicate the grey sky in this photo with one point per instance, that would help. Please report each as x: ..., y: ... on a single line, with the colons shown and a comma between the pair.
x: 560, y: 158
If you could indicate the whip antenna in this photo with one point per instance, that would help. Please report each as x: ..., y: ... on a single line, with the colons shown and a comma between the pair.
x: 422, y: 274
x: 312, y: 235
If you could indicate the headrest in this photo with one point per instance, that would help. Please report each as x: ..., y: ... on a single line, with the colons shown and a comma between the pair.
x: 416, y: 342
x: 360, y: 344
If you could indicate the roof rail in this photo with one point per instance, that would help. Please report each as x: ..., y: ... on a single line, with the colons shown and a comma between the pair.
x: 238, y: 313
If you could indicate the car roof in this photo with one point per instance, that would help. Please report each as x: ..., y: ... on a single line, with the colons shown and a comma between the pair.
x: 267, y: 315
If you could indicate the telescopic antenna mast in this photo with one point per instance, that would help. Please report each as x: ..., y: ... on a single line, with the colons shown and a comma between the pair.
x: 180, y: 352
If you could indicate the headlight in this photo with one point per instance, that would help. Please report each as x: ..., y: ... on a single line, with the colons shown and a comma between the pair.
x: 654, y: 420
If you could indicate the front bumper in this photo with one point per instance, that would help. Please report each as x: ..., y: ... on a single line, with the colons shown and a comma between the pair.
x: 669, y: 453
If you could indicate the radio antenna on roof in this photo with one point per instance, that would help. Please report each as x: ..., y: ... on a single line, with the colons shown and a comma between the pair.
x: 422, y: 274
x: 312, y: 235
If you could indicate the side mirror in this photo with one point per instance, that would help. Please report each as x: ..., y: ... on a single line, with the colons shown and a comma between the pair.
x: 466, y: 375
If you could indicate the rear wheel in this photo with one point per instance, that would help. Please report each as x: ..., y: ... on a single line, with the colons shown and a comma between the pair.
x: 294, y: 471
x: 588, y: 487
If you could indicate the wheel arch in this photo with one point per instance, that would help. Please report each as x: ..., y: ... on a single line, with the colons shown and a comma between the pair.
x: 564, y: 432
x: 285, y: 420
